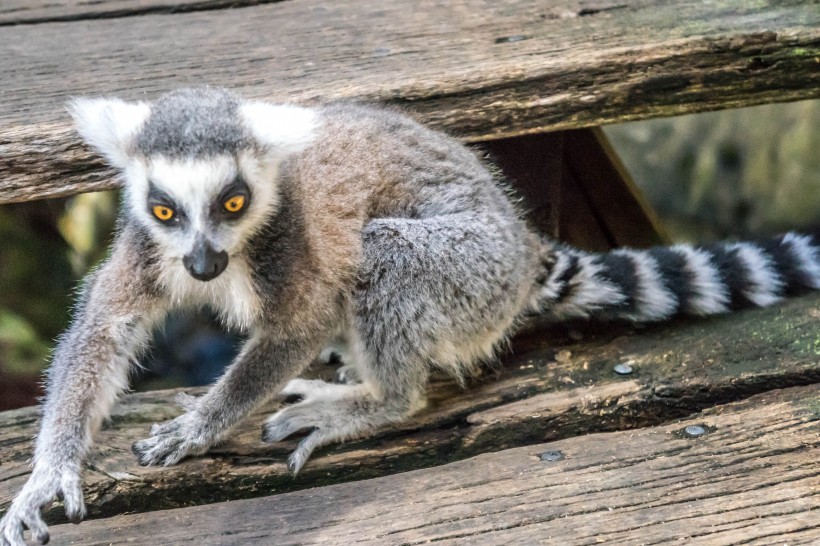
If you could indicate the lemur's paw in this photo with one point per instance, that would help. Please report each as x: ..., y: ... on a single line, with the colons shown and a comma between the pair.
x: 11, y: 526
x: 172, y: 441
x: 290, y: 420
x: 327, y: 410
x: 347, y: 375
x: 330, y: 356
x: 71, y: 493
x: 307, y: 388
x: 38, y: 493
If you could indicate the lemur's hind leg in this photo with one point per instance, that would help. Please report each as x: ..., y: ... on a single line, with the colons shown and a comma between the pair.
x: 440, y: 291
x: 337, y: 412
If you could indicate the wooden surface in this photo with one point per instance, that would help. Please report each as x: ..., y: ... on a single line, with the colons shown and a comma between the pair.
x: 550, y: 388
x: 754, y: 478
x: 479, y: 68
x: 533, y: 165
x: 620, y: 209
x: 609, y: 210
x: 30, y: 12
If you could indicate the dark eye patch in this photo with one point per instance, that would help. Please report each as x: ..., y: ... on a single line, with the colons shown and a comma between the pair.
x: 158, y: 197
x: 237, y: 187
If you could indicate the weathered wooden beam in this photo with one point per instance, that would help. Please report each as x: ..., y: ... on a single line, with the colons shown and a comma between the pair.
x: 549, y: 388
x: 533, y: 164
x: 481, y: 70
x: 578, y: 172
x: 618, y: 204
x: 32, y: 12
x: 753, y: 476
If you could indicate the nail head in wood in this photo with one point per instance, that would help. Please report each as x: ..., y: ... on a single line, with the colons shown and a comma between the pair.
x: 551, y: 456
x: 694, y: 431
x: 623, y: 369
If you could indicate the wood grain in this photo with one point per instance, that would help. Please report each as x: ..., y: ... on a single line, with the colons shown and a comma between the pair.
x: 30, y: 12
x: 618, y: 204
x: 754, y: 478
x: 533, y: 165
x: 480, y: 69
x: 577, y: 173
x: 549, y: 388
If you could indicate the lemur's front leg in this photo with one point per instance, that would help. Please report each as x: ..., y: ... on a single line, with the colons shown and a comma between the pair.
x: 90, y: 368
x: 264, y: 365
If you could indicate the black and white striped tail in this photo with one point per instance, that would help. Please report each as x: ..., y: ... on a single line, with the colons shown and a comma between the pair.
x: 656, y: 284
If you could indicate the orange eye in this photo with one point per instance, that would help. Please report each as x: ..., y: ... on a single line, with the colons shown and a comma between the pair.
x: 235, y: 203
x: 163, y: 213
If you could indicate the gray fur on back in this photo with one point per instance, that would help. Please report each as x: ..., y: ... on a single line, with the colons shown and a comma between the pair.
x: 193, y: 123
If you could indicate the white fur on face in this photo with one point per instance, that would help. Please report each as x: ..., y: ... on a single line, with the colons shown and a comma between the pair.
x: 194, y: 185
x: 232, y: 294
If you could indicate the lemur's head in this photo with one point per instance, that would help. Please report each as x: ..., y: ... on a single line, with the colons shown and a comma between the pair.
x: 200, y: 166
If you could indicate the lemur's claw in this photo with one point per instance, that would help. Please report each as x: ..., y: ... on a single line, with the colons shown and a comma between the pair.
x: 172, y: 441
x: 37, y: 494
x: 327, y: 411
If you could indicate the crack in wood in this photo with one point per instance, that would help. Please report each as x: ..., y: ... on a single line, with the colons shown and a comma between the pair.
x: 99, y: 11
x: 584, y: 12
x: 696, y: 534
x: 12, y: 476
x: 793, y: 531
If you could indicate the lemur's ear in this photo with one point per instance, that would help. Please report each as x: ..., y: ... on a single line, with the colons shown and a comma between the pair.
x: 108, y: 125
x: 281, y: 129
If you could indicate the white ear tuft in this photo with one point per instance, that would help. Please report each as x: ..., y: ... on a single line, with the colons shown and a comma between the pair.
x: 282, y: 128
x: 109, y: 125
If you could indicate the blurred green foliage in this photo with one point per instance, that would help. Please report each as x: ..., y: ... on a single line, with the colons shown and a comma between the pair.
x: 22, y: 350
x: 734, y: 173
x: 36, y: 280
x: 45, y: 248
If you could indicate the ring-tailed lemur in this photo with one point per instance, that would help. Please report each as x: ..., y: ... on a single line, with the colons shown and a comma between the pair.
x: 304, y: 226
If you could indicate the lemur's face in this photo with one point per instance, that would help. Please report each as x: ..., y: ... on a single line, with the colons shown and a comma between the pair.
x: 200, y: 168
x: 202, y: 211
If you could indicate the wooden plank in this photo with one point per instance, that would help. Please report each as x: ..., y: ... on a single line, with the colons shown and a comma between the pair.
x: 623, y: 212
x: 573, y: 184
x: 549, y: 388
x: 478, y: 68
x: 28, y: 12
x: 534, y: 166
x: 578, y: 224
x: 753, y: 478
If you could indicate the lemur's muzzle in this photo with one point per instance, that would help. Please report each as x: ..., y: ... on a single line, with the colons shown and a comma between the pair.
x: 203, y: 262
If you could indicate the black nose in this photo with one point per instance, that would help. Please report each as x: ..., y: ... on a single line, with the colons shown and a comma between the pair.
x: 204, y: 263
